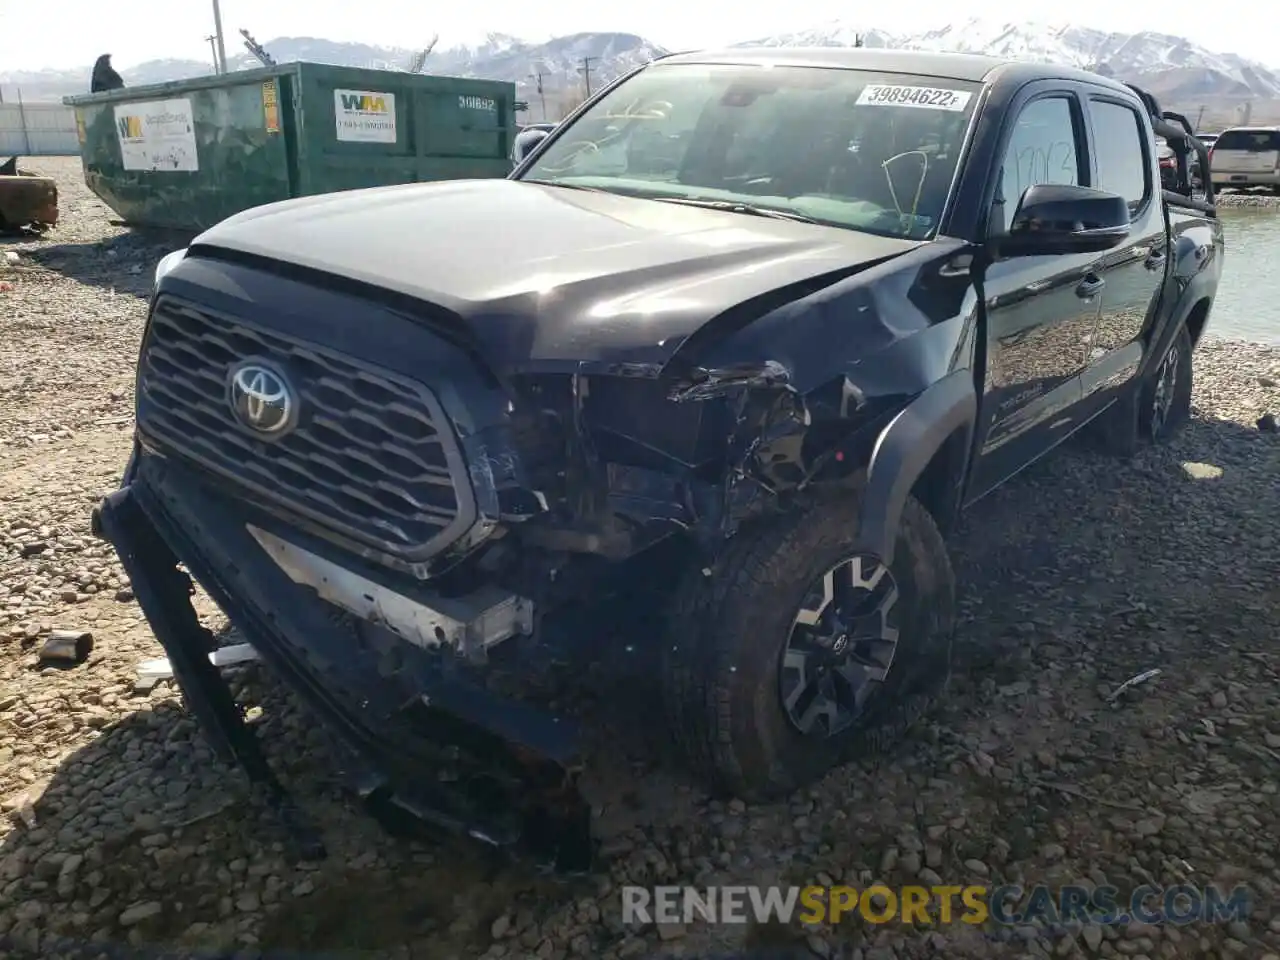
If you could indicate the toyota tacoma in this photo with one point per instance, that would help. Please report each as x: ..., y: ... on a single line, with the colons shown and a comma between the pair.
x: 782, y: 313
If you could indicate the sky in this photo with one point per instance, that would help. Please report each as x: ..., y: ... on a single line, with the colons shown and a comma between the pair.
x: 71, y: 33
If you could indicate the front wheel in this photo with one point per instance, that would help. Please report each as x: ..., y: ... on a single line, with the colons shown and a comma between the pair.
x: 794, y: 651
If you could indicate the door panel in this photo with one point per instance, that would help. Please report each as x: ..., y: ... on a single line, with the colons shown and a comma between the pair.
x: 1040, y: 311
x: 1135, y: 270
x: 1038, y: 331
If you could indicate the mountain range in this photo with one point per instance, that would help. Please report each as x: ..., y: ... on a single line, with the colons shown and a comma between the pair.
x: 1171, y: 67
x: 1177, y: 70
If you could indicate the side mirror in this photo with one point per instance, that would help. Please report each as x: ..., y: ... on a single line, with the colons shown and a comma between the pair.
x: 525, y: 142
x: 1060, y: 218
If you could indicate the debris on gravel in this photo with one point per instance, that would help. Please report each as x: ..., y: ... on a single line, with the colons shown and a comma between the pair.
x: 120, y: 830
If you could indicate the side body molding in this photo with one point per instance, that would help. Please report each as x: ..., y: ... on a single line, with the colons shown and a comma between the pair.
x: 904, y: 449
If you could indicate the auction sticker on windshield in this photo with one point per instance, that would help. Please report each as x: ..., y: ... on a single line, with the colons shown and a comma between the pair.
x: 924, y: 98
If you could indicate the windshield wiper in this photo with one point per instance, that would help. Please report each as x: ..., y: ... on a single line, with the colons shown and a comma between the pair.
x: 566, y: 186
x: 736, y: 206
x: 731, y: 206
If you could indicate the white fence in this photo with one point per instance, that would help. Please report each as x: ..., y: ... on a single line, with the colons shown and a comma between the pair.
x: 37, y: 130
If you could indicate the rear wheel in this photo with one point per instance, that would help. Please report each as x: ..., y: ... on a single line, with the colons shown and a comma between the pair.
x: 1153, y: 410
x: 794, y: 652
x: 1164, y: 404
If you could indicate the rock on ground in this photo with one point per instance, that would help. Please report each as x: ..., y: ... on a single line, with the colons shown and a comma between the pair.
x: 120, y: 828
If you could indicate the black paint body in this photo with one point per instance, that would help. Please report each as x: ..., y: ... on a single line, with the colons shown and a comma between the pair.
x: 620, y: 371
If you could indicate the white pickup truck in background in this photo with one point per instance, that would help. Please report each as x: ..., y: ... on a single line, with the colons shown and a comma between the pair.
x: 1246, y: 157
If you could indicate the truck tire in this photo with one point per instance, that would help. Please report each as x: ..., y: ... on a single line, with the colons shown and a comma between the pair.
x: 1127, y: 426
x: 739, y: 651
x: 1164, y: 398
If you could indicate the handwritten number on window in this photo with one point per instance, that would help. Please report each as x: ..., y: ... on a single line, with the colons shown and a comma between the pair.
x: 1054, y: 163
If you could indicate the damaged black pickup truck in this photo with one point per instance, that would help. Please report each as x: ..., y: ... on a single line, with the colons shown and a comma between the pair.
x: 787, y: 310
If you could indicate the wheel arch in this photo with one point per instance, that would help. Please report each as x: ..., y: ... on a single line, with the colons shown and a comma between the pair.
x: 923, y: 451
x: 1198, y: 319
x: 940, y: 485
x: 1193, y: 312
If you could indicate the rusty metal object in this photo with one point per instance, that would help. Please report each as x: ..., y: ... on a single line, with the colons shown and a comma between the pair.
x: 27, y: 200
x: 67, y: 647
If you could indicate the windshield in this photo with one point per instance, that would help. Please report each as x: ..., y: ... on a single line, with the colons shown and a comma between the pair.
x: 857, y: 149
x: 1252, y: 141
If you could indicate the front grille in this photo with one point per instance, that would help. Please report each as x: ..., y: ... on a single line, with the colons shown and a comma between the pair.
x: 371, y: 461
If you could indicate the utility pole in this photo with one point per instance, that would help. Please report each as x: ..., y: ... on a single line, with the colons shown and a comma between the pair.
x: 22, y: 120
x: 213, y: 52
x: 217, y: 32
x: 585, y: 70
x: 542, y: 96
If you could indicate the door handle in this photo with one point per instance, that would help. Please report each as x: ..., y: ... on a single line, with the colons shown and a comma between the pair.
x: 1154, y: 260
x: 1090, y: 286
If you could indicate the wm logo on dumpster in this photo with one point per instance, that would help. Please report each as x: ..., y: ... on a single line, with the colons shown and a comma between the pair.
x: 364, y: 103
x: 130, y: 127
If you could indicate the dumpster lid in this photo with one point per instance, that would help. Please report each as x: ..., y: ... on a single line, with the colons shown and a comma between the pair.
x: 153, y: 91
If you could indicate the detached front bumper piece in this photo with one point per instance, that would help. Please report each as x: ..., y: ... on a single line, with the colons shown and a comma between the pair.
x: 424, y: 743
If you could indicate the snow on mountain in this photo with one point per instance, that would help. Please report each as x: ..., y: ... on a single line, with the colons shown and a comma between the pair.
x: 560, y: 59
x: 493, y: 56
x: 1181, y: 67
x: 316, y: 49
x: 487, y: 44
x: 1172, y: 67
x: 834, y: 33
x: 1016, y: 41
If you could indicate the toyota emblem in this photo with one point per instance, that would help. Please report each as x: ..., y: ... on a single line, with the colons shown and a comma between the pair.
x: 261, y: 398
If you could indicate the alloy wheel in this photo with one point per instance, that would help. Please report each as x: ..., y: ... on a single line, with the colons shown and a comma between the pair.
x: 1166, y: 389
x: 841, y: 647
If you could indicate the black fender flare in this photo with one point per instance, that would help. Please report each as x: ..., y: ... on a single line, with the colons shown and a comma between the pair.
x: 903, y: 450
x: 1201, y: 287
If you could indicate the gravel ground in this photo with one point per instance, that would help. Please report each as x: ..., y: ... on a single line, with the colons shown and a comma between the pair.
x: 1248, y: 198
x: 120, y: 828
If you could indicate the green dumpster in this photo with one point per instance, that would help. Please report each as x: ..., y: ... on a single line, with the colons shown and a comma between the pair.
x: 187, y: 154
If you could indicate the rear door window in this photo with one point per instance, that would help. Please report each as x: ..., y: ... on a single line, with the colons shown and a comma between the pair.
x: 1250, y: 141
x: 1123, y: 164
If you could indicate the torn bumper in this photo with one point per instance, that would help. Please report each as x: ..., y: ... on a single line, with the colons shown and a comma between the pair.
x: 424, y: 743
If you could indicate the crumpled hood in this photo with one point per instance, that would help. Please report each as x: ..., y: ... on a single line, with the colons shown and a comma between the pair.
x: 541, y: 273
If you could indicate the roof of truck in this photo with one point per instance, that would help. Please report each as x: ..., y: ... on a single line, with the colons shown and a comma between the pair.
x: 955, y: 66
